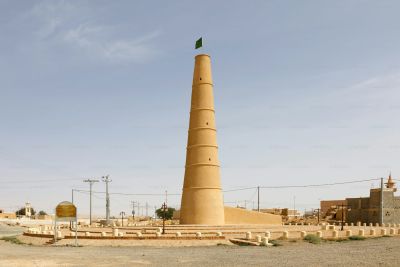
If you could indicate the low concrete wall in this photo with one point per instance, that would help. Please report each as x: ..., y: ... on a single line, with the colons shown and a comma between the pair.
x: 242, y: 216
x: 132, y: 237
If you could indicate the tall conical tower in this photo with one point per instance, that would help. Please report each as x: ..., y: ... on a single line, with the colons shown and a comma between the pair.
x: 202, y: 201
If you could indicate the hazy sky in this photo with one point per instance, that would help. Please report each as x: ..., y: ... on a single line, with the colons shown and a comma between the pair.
x: 306, y: 92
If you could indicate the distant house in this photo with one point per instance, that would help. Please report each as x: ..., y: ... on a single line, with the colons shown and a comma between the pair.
x: 4, y: 215
x: 380, y: 203
x: 368, y: 209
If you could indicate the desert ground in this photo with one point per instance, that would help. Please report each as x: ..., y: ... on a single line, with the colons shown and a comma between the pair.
x: 381, y: 251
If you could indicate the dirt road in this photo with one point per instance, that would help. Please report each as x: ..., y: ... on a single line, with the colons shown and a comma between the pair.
x: 376, y: 252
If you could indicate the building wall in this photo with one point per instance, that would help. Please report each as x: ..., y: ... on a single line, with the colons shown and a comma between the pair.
x: 354, y: 214
x: 325, y: 205
x: 7, y: 216
x: 367, y: 209
x: 43, y: 217
x: 279, y: 211
x: 242, y: 216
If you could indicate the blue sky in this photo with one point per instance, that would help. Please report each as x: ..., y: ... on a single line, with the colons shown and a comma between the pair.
x: 305, y: 92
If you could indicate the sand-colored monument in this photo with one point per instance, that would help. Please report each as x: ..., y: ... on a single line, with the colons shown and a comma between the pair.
x: 202, y: 201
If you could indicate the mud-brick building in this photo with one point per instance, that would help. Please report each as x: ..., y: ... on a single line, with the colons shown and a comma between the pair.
x: 368, y: 209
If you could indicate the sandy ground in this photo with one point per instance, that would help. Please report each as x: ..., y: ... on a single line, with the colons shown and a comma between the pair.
x: 124, y: 243
x: 382, y: 251
x: 373, y: 252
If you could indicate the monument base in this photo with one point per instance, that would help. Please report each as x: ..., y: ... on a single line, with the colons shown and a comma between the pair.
x: 243, y: 216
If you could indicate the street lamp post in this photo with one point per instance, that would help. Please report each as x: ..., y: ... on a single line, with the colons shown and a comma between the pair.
x: 122, y: 213
x: 343, y: 205
x: 164, y: 208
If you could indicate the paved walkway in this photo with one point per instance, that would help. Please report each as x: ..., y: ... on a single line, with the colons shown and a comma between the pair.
x: 6, y: 230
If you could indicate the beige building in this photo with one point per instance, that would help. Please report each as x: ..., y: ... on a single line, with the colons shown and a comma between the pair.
x: 327, y: 205
x: 10, y: 215
x: 381, y: 206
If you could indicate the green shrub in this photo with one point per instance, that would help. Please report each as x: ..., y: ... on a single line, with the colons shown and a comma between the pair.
x: 312, y: 239
x: 356, y: 237
x: 169, y: 212
x: 275, y: 243
x: 12, y: 239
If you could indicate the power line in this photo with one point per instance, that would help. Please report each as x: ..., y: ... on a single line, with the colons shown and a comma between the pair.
x: 42, y: 180
x: 242, y: 189
x: 319, y: 185
x: 127, y: 194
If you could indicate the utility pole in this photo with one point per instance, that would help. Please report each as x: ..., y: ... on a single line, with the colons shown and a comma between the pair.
x: 107, y: 180
x: 294, y: 206
x: 343, y: 205
x: 91, y: 182
x: 147, y: 209
x: 381, y: 209
x: 133, y: 209
x: 258, y: 198
x: 318, y: 215
x: 72, y: 198
x: 342, y: 217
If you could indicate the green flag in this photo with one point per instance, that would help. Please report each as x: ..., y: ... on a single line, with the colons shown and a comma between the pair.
x: 199, y: 43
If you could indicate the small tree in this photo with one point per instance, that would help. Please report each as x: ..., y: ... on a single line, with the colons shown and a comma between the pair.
x: 42, y: 212
x: 169, y: 212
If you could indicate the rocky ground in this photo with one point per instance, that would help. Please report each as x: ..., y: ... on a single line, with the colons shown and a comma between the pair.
x: 382, y: 251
